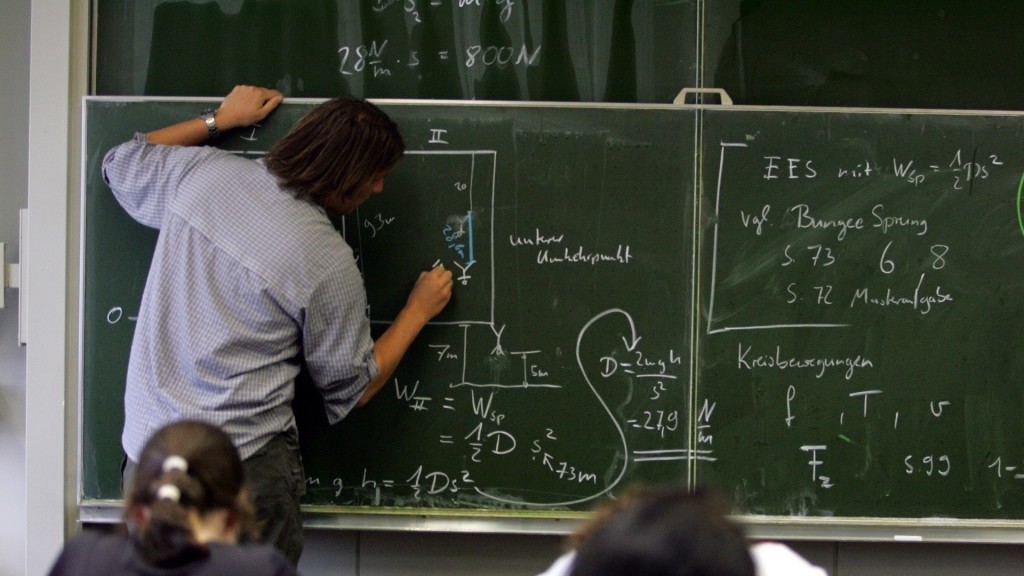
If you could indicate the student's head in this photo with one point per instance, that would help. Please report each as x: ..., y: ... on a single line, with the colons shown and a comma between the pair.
x: 188, y: 489
x: 665, y: 532
x: 337, y: 154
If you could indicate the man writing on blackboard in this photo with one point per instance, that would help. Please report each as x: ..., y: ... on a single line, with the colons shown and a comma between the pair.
x: 250, y: 279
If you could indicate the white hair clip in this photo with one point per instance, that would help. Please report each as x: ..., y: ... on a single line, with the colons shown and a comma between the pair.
x: 168, y: 492
x: 175, y: 463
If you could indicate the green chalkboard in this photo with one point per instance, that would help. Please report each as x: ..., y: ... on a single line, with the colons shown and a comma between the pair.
x: 861, y: 311
x: 822, y: 322
x: 608, y: 51
x: 558, y: 374
x: 953, y: 54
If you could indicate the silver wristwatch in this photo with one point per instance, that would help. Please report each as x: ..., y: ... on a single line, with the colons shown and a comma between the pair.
x: 211, y: 123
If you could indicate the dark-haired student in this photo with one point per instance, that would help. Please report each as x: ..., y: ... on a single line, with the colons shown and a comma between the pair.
x: 187, y: 506
x: 665, y: 532
x: 250, y: 280
x: 669, y: 531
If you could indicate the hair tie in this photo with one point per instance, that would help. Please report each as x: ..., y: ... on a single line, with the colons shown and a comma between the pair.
x: 168, y: 492
x: 175, y: 463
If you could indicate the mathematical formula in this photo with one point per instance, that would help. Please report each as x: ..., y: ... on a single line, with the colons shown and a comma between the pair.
x: 814, y: 258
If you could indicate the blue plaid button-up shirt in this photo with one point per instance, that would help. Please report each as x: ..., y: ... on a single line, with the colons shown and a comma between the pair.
x: 246, y: 282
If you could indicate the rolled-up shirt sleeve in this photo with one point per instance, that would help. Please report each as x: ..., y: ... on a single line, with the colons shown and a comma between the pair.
x: 338, y: 346
x: 144, y: 177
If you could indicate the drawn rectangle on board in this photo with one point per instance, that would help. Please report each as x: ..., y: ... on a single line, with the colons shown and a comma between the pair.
x: 451, y: 218
x: 732, y: 319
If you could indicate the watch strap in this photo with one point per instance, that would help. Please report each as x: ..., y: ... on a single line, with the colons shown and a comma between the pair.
x: 211, y: 122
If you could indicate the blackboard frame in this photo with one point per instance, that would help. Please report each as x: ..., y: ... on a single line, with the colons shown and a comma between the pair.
x: 923, y: 530
x: 539, y: 521
x: 870, y: 529
x: 855, y: 528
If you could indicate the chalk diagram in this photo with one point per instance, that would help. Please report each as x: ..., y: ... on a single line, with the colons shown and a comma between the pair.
x: 455, y: 227
x: 714, y: 325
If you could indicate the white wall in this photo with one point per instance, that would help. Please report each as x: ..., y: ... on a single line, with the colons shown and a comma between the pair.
x: 56, y: 52
x: 14, y: 96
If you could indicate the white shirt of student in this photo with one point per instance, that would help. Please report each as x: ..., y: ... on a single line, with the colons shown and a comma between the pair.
x: 770, y: 559
x: 775, y: 559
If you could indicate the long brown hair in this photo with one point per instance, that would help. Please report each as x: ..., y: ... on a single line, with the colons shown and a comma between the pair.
x: 185, y: 466
x: 335, y: 149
